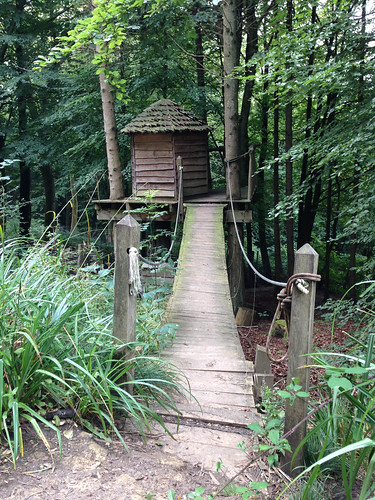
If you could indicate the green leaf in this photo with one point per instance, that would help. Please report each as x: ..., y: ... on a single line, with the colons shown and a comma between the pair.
x: 274, y: 436
x: 341, y: 382
x: 256, y: 428
x: 368, y: 289
x: 241, y: 489
x: 258, y: 485
x: 171, y: 495
x: 356, y: 370
x: 274, y: 422
x: 302, y: 394
x: 273, y: 460
x: 284, y: 394
x: 264, y: 447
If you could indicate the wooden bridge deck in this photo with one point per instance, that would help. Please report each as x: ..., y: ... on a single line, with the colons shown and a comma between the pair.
x: 207, y: 348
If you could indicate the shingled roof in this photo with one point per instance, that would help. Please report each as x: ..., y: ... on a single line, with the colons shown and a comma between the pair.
x: 165, y: 116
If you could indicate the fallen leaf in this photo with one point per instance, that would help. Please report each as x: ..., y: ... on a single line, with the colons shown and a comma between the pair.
x: 68, y: 434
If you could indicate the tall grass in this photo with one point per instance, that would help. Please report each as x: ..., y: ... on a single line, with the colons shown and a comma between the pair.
x: 57, y: 350
x: 341, y: 440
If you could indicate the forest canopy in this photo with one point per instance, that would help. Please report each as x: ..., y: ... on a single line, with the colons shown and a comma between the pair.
x: 303, y: 95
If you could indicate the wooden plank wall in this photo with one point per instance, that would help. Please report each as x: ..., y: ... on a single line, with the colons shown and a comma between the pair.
x: 193, y: 149
x: 153, y: 164
x: 154, y: 158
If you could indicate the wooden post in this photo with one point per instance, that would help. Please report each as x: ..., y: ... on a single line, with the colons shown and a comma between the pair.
x: 300, y: 343
x: 236, y: 267
x: 125, y: 305
x: 251, y: 182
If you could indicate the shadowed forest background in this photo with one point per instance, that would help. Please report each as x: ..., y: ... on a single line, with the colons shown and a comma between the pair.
x: 305, y: 77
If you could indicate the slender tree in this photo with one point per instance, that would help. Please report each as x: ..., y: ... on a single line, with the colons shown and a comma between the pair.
x: 289, y: 161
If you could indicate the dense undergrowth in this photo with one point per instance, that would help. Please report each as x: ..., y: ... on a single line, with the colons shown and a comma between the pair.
x: 340, y: 443
x: 57, y: 348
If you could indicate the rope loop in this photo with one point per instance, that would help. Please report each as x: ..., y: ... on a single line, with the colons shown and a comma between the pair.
x: 284, y: 298
x: 134, y: 277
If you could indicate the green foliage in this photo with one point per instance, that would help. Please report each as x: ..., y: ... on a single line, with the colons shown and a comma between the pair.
x: 57, y: 350
x: 152, y: 335
x: 244, y: 492
x: 361, y: 311
x: 341, y: 439
x: 273, y: 413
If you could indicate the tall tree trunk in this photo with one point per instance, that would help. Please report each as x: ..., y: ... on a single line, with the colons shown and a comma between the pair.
x: 328, y: 239
x: 111, y: 141
x: 74, y: 205
x: 25, y: 199
x: 251, y: 49
x: 332, y: 237
x: 289, y: 163
x: 231, y: 47
x: 276, y: 187
x: 50, y: 195
x: 312, y: 176
x: 199, y: 65
x: 24, y: 94
x: 354, y: 244
x: 303, y: 211
x: 261, y: 204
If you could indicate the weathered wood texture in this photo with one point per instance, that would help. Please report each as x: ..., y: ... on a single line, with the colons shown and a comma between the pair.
x: 154, y: 159
x: 300, y: 344
x: 153, y: 164
x: 207, y: 347
x: 125, y: 305
x: 193, y: 149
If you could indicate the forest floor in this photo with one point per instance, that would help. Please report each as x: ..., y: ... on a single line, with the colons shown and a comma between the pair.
x: 323, y: 340
x: 94, y: 469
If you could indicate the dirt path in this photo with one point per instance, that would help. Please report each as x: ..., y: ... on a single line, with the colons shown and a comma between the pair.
x: 94, y: 469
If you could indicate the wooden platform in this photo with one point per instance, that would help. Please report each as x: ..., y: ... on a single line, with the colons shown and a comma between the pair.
x: 207, y: 347
x: 107, y: 209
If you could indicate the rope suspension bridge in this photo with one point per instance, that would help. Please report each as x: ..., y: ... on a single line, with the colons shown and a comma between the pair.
x: 207, y: 348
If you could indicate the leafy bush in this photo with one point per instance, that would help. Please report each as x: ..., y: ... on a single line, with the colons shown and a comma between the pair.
x: 341, y: 440
x: 57, y: 349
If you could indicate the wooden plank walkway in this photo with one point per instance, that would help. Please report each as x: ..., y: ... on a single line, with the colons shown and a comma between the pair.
x: 207, y: 348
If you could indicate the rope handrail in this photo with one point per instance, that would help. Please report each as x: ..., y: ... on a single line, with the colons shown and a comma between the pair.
x: 162, y: 261
x: 260, y: 275
x: 284, y: 298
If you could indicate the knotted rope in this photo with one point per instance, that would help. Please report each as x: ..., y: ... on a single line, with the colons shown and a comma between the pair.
x: 134, y: 277
x: 284, y: 298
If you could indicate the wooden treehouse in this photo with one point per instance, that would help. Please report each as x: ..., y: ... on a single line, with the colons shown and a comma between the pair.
x: 159, y: 135
x: 164, y: 137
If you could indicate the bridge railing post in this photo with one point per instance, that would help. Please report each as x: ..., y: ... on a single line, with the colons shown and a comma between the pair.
x: 300, y: 343
x: 125, y: 303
